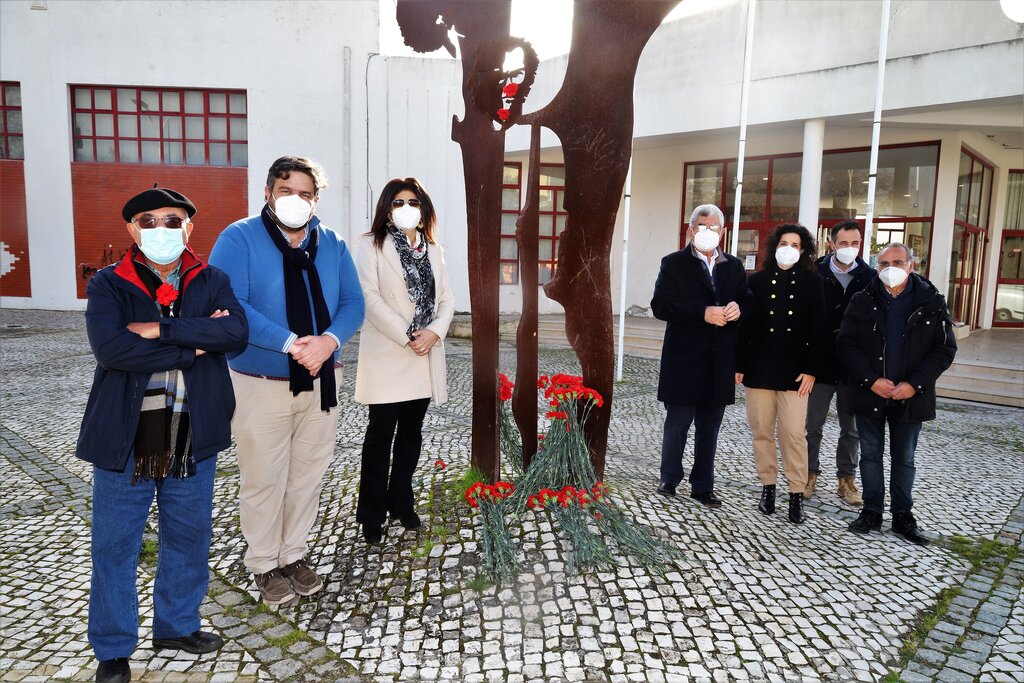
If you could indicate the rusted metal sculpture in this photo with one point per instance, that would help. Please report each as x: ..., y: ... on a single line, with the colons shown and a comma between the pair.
x: 592, y: 114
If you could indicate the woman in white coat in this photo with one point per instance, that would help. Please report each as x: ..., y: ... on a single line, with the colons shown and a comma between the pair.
x: 401, y: 368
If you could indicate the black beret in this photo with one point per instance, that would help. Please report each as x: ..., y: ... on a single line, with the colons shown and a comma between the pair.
x: 157, y: 198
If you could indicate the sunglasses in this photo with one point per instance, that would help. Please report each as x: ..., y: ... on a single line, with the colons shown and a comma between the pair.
x: 397, y: 203
x: 172, y: 222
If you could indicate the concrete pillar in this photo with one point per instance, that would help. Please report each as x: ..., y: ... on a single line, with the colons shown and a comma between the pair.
x: 810, y: 173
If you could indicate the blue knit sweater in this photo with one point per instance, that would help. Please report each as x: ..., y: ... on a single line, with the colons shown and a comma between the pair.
x: 255, y: 267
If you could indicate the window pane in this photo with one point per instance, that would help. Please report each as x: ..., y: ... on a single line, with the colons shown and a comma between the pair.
x: 172, y: 127
x: 748, y: 247
x: 238, y: 103
x: 786, y: 189
x: 102, y: 99
x: 194, y: 129
x: 127, y: 126
x: 560, y: 224
x: 906, y: 181
x: 559, y: 199
x: 126, y: 100
x: 1014, y: 219
x: 844, y: 186
x: 218, y: 128
x: 546, y: 248
x: 508, y: 274
x: 963, y: 187
x: 172, y: 153
x: 195, y: 153
x: 755, y: 190
x: 238, y: 129
x: 546, y: 200
x: 974, y: 208
x: 105, y: 150
x: 218, y: 103
x: 1010, y: 304
x: 83, y: 98
x: 508, y: 223
x: 83, y: 150
x: 1011, y: 265
x: 151, y: 152
x: 12, y: 95
x: 218, y: 154
x: 193, y: 102
x: 15, y: 148
x: 1, y: 124
x: 105, y: 124
x: 510, y: 199
x: 986, y: 191
x: 546, y: 226
x: 3, y: 153
x: 14, y: 121
x: 239, y: 154
x: 150, y: 126
x: 510, y: 175
x: 171, y: 101
x: 916, y: 235
x: 552, y: 175
x: 703, y: 186
x: 128, y: 151
x: 83, y: 124
x: 544, y: 274
x: 150, y: 100
x: 509, y: 249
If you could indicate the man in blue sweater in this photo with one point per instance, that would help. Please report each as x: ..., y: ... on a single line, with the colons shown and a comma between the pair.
x: 297, y: 283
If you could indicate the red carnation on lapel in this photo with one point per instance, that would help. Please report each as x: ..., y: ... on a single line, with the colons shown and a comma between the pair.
x: 165, y: 294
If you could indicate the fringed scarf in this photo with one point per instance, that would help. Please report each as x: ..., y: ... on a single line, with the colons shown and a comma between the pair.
x: 419, y: 278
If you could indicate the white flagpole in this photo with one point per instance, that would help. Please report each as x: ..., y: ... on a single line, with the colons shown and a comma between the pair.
x: 876, y: 128
x: 744, y: 95
x: 622, y: 283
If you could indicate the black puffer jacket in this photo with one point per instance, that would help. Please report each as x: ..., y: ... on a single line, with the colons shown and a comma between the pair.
x: 928, y: 349
x: 836, y: 301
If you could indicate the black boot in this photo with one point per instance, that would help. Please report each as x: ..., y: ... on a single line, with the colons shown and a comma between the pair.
x: 905, y: 525
x: 114, y: 671
x: 796, y: 508
x: 866, y: 522
x: 767, y: 503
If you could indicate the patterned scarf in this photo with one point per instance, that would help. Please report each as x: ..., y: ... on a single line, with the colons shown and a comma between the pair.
x: 419, y: 278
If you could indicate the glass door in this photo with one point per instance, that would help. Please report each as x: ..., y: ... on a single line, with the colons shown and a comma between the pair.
x: 1009, y: 307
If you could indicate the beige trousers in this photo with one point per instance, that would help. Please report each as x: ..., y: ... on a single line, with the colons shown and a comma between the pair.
x: 285, y: 444
x: 785, y: 411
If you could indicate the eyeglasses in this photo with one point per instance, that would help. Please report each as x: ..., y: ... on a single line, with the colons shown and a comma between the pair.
x: 172, y: 222
x: 894, y: 264
x: 398, y: 203
x: 698, y: 228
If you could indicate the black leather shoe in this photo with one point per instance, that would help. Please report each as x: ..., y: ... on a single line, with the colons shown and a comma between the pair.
x: 866, y: 522
x: 796, y: 508
x: 707, y: 498
x: 767, y: 503
x: 114, y: 671
x: 373, y: 533
x: 198, y: 643
x: 410, y: 520
x: 667, y: 489
x: 905, y: 525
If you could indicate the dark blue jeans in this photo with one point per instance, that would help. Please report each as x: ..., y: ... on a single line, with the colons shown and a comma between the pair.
x: 902, y: 444
x: 707, y: 422
x: 119, y: 513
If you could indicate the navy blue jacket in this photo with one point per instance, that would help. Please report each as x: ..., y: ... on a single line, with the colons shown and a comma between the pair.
x: 125, y: 361
x: 837, y: 299
x: 698, y: 359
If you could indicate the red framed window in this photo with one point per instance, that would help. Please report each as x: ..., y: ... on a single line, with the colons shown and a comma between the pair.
x: 511, y: 191
x: 11, y: 139
x: 552, y: 219
x: 177, y: 126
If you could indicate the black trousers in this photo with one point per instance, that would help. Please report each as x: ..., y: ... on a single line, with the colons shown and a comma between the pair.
x: 400, y: 424
x: 677, y: 424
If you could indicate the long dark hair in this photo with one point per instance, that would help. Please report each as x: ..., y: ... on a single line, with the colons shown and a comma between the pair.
x: 808, y: 250
x: 381, y: 218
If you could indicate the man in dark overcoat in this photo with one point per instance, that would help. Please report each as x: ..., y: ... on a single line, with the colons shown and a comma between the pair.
x: 702, y: 294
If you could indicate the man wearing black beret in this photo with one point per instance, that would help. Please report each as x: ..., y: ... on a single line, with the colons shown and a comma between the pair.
x: 159, y: 323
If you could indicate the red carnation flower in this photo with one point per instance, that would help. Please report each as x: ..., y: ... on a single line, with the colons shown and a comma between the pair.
x: 510, y: 90
x: 503, y: 114
x: 440, y: 464
x: 165, y: 294
x: 505, y: 387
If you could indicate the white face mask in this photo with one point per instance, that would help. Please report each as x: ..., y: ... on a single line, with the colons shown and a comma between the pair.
x: 705, y: 239
x: 786, y: 256
x: 847, y: 255
x: 893, y: 277
x: 162, y: 245
x: 293, y: 210
x: 406, y: 217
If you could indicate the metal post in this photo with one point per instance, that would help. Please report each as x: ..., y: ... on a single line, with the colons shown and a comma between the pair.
x: 625, y: 261
x: 876, y: 128
x: 748, y: 52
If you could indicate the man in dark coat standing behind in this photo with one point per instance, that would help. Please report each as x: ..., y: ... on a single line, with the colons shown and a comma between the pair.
x: 702, y: 294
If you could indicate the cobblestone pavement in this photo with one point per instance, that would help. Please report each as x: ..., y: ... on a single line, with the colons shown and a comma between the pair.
x: 755, y: 598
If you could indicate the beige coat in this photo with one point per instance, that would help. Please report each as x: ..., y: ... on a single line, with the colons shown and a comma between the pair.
x: 389, y: 371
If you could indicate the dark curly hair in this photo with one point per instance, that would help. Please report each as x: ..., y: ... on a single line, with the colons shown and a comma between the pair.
x: 808, y: 250
x: 382, y: 214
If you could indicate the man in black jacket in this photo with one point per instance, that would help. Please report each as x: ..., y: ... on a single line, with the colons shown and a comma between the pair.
x: 702, y: 293
x: 843, y: 274
x: 896, y: 339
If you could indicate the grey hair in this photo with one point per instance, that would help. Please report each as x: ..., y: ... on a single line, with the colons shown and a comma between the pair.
x: 707, y: 210
x: 911, y: 256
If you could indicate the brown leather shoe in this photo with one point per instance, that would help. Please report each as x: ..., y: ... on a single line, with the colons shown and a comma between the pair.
x: 304, y: 580
x: 274, y: 588
x: 812, y: 482
x: 848, y: 491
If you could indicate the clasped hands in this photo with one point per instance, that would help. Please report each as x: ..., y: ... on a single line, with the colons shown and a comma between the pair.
x: 423, y: 341
x: 720, y: 315
x: 886, y: 388
x: 312, y: 351
x: 151, y: 330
